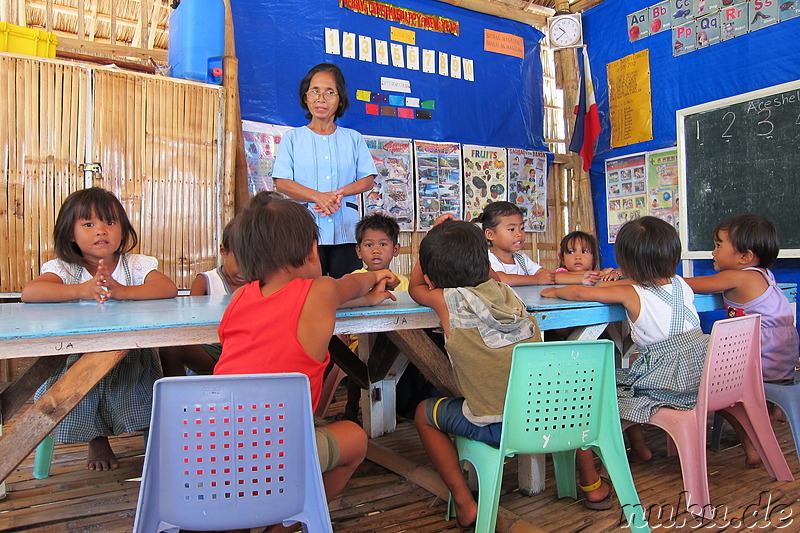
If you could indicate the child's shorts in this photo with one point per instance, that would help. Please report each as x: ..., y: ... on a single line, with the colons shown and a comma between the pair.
x: 327, y: 448
x: 445, y: 414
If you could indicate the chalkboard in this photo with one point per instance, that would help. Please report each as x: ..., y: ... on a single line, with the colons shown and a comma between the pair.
x: 741, y: 155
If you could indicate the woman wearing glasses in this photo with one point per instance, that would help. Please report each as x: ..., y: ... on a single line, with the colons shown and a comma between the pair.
x: 326, y: 166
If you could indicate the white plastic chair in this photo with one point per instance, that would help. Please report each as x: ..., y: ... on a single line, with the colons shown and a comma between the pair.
x: 231, y: 452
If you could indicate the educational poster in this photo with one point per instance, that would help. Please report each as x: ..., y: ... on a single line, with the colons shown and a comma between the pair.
x: 764, y: 13
x: 626, y: 191
x: 260, y: 147
x: 438, y: 181
x: 629, y: 101
x: 393, y: 193
x: 485, y: 178
x: 708, y: 30
x: 527, y: 186
x: 639, y: 25
x: 662, y: 185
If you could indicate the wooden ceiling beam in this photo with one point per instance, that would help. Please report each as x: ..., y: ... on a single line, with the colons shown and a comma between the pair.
x: 537, y: 19
x: 111, y: 50
x: 101, y: 17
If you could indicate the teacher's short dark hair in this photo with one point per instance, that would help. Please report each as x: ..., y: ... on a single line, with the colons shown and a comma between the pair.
x: 272, y: 237
x: 341, y: 88
x: 453, y: 254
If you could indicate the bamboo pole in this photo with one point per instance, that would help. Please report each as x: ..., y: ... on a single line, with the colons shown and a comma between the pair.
x: 236, y: 164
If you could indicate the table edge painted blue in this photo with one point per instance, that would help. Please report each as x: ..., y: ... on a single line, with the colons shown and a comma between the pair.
x: 27, y: 321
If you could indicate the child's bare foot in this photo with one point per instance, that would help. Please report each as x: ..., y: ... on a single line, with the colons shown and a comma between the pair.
x: 101, y: 456
x: 751, y: 457
x: 641, y: 453
x: 467, y: 514
x: 776, y: 414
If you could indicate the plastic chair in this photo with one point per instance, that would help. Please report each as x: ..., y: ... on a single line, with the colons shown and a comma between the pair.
x: 561, y: 396
x: 231, y: 452
x: 731, y: 381
x: 787, y: 397
x: 43, y: 459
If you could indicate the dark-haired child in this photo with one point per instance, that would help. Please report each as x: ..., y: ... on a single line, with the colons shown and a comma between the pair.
x: 377, y: 238
x: 745, y: 246
x: 482, y: 320
x: 93, y: 237
x: 580, y: 252
x: 224, y: 279
x: 282, y: 319
x: 504, y: 228
x: 671, y: 352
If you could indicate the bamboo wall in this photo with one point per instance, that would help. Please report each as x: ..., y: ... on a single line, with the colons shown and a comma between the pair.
x: 157, y: 140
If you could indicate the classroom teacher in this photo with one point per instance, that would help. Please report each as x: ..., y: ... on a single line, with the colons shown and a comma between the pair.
x: 326, y: 166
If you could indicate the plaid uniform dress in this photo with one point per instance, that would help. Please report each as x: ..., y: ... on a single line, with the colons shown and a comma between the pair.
x: 666, y: 373
x: 121, y: 401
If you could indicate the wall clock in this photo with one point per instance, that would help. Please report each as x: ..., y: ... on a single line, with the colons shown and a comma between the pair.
x: 565, y: 31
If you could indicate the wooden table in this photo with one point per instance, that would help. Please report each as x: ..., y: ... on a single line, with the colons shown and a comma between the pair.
x: 105, y: 332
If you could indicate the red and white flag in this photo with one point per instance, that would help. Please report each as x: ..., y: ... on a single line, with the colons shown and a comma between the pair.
x: 587, y: 123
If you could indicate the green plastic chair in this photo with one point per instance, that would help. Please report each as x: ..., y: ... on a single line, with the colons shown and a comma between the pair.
x: 561, y: 396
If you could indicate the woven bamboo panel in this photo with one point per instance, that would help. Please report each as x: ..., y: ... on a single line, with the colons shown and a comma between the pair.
x: 156, y: 139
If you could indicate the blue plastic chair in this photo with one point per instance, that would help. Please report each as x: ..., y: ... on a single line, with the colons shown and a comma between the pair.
x: 231, y: 452
x: 787, y: 397
x: 561, y: 396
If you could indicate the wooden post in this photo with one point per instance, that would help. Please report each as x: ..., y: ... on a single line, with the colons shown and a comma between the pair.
x: 236, y: 194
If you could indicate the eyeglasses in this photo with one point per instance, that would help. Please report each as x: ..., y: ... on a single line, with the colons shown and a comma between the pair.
x: 326, y: 95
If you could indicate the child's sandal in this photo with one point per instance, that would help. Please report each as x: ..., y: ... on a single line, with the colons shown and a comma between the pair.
x: 599, y: 505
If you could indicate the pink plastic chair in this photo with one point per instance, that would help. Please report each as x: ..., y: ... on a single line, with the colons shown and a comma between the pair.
x: 731, y: 381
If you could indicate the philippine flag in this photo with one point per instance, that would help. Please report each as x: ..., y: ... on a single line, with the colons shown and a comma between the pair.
x: 587, y: 123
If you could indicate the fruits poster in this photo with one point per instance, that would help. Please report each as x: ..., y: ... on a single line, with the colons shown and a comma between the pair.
x: 662, y: 185
x: 393, y: 193
x: 485, y: 178
x: 438, y: 181
x: 527, y: 186
x: 260, y: 147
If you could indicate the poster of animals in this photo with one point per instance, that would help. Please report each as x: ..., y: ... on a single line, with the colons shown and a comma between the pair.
x: 260, y: 147
x: 485, y: 178
x: 662, y: 185
x: 438, y: 181
x: 527, y: 186
x: 626, y: 191
x: 393, y: 193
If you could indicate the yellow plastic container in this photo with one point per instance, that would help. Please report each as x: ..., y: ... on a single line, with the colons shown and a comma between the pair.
x: 27, y: 41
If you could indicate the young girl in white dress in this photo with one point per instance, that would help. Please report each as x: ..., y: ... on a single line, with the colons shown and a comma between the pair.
x: 92, y: 239
x: 664, y: 325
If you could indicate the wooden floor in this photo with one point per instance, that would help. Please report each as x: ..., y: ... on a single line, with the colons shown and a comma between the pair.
x: 76, y: 501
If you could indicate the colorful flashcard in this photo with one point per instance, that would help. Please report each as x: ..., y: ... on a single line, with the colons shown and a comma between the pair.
x: 485, y: 178
x: 639, y: 25
x: 764, y: 13
x: 708, y: 30
x: 789, y: 10
x: 733, y: 21
x: 660, y: 17
x: 662, y: 185
x: 260, y: 147
x: 393, y: 193
x: 681, y: 11
x: 527, y: 186
x: 684, y: 39
x: 704, y: 7
x: 626, y: 191
x: 438, y: 181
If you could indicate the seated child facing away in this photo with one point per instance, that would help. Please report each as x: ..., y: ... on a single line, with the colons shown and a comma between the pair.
x: 672, y: 351
x: 224, y: 279
x: 745, y: 246
x: 92, y: 239
x: 282, y: 319
x: 504, y: 228
x: 482, y: 320
x: 377, y: 238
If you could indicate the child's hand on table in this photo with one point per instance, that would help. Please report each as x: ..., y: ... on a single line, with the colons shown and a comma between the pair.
x: 543, y: 277
x: 549, y: 292
x: 590, y: 278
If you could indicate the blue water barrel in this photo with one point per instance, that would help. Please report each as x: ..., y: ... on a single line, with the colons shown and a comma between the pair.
x: 197, y: 40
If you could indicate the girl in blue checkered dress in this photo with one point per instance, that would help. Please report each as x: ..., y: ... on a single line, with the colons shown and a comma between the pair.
x: 664, y: 326
x: 92, y: 239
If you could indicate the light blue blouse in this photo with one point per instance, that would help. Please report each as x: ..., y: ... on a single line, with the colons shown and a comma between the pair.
x: 326, y: 163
